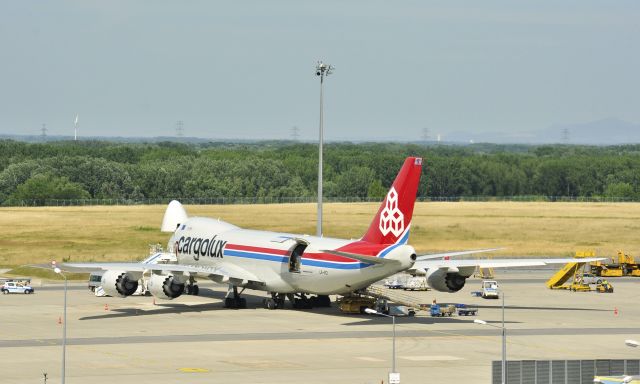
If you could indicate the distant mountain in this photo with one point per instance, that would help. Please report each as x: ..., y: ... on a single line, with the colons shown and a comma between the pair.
x: 610, y: 131
x: 600, y: 132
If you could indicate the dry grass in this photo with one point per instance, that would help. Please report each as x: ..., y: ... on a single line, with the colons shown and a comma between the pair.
x: 38, y: 235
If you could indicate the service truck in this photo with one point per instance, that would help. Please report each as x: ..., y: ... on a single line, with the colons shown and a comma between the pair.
x: 490, y: 289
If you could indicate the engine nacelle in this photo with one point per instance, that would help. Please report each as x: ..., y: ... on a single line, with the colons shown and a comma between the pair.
x: 119, y: 283
x: 444, y: 281
x: 165, y: 287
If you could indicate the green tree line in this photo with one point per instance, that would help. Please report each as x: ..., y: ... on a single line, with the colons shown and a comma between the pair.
x: 105, y: 170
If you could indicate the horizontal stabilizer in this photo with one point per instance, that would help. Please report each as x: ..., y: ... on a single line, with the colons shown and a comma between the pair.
x: 362, y: 258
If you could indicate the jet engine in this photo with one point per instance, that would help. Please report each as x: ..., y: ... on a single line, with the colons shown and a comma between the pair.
x: 119, y: 283
x: 444, y: 281
x: 166, y: 287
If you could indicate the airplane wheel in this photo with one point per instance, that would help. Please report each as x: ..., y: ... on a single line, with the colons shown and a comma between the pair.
x: 323, y: 301
x: 188, y: 289
x: 234, y: 303
x: 270, y: 304
x: 302, y: 304
x: 195, y: 290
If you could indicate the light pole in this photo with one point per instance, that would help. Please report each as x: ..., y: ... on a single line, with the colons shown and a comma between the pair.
x: 632, y: 344
x: 64, y: 324
x: 394, y: 377
x: 504, y: 341
x: 322, y: 70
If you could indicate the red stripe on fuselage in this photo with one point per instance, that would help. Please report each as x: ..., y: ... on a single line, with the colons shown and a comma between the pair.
x: 327, y: 257
x: 364, y: 248
x: 358, y: 247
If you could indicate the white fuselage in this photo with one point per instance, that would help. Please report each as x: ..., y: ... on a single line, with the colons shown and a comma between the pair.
x: 268, y: 257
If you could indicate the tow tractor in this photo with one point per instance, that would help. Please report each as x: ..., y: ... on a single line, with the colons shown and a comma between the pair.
x: 437, y: 310
x: 490, y: 289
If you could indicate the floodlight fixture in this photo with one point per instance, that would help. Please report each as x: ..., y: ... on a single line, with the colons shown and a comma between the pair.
x: 632, y: 343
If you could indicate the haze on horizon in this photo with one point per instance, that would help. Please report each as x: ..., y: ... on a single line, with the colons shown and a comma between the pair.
x: 246, y: 69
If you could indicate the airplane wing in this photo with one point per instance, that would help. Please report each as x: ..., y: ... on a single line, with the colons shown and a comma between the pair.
x: 457, y: 253
x: 220, y: 274
x: 498, y: 263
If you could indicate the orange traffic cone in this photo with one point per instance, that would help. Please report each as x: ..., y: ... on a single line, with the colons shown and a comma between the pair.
x: 59, y: 320
x: 106, y: 307
x: 615, y: 311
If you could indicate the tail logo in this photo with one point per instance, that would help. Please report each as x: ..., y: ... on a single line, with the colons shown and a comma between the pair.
x: 391, y: 218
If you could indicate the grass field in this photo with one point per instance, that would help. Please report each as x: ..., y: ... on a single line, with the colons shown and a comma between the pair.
x: 39, y: 235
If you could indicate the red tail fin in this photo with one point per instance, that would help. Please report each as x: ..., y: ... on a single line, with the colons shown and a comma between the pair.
x: 391, y: 224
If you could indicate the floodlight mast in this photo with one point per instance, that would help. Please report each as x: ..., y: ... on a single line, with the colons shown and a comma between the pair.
x: 322, y: 70
x: 64, y: 325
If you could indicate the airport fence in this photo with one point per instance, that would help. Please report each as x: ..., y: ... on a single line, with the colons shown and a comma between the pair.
x: 227, y: 200
x: 562, y: 371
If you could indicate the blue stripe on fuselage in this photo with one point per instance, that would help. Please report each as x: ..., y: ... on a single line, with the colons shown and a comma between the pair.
x: 324, y: 264
x: 255, y: 255
x: 285, y: 259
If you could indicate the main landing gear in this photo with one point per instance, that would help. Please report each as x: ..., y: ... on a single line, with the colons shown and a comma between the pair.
x: 298, y: 300
x: 235, y: 301
x: 191, y: 288
x: 276, y: 301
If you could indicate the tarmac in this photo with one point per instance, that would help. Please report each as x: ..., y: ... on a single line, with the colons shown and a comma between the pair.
x: 194, y: 339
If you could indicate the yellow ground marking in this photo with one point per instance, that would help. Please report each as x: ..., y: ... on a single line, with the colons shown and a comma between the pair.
x: 193, y: 370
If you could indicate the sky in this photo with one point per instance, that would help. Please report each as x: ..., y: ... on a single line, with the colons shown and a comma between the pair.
x: 246, y: 69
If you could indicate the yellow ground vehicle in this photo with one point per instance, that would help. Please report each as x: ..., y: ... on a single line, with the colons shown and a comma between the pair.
x: 605, y: 287
x: 573, y: 277
x: 621, y: 265
x: 567, y: 272
x: 577, y: 286
x: 356, y: 304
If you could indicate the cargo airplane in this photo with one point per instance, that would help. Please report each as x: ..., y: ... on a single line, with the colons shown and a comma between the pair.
x: 305, y: 269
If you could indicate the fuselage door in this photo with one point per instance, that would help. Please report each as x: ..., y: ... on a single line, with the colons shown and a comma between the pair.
x: 295, y: 257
